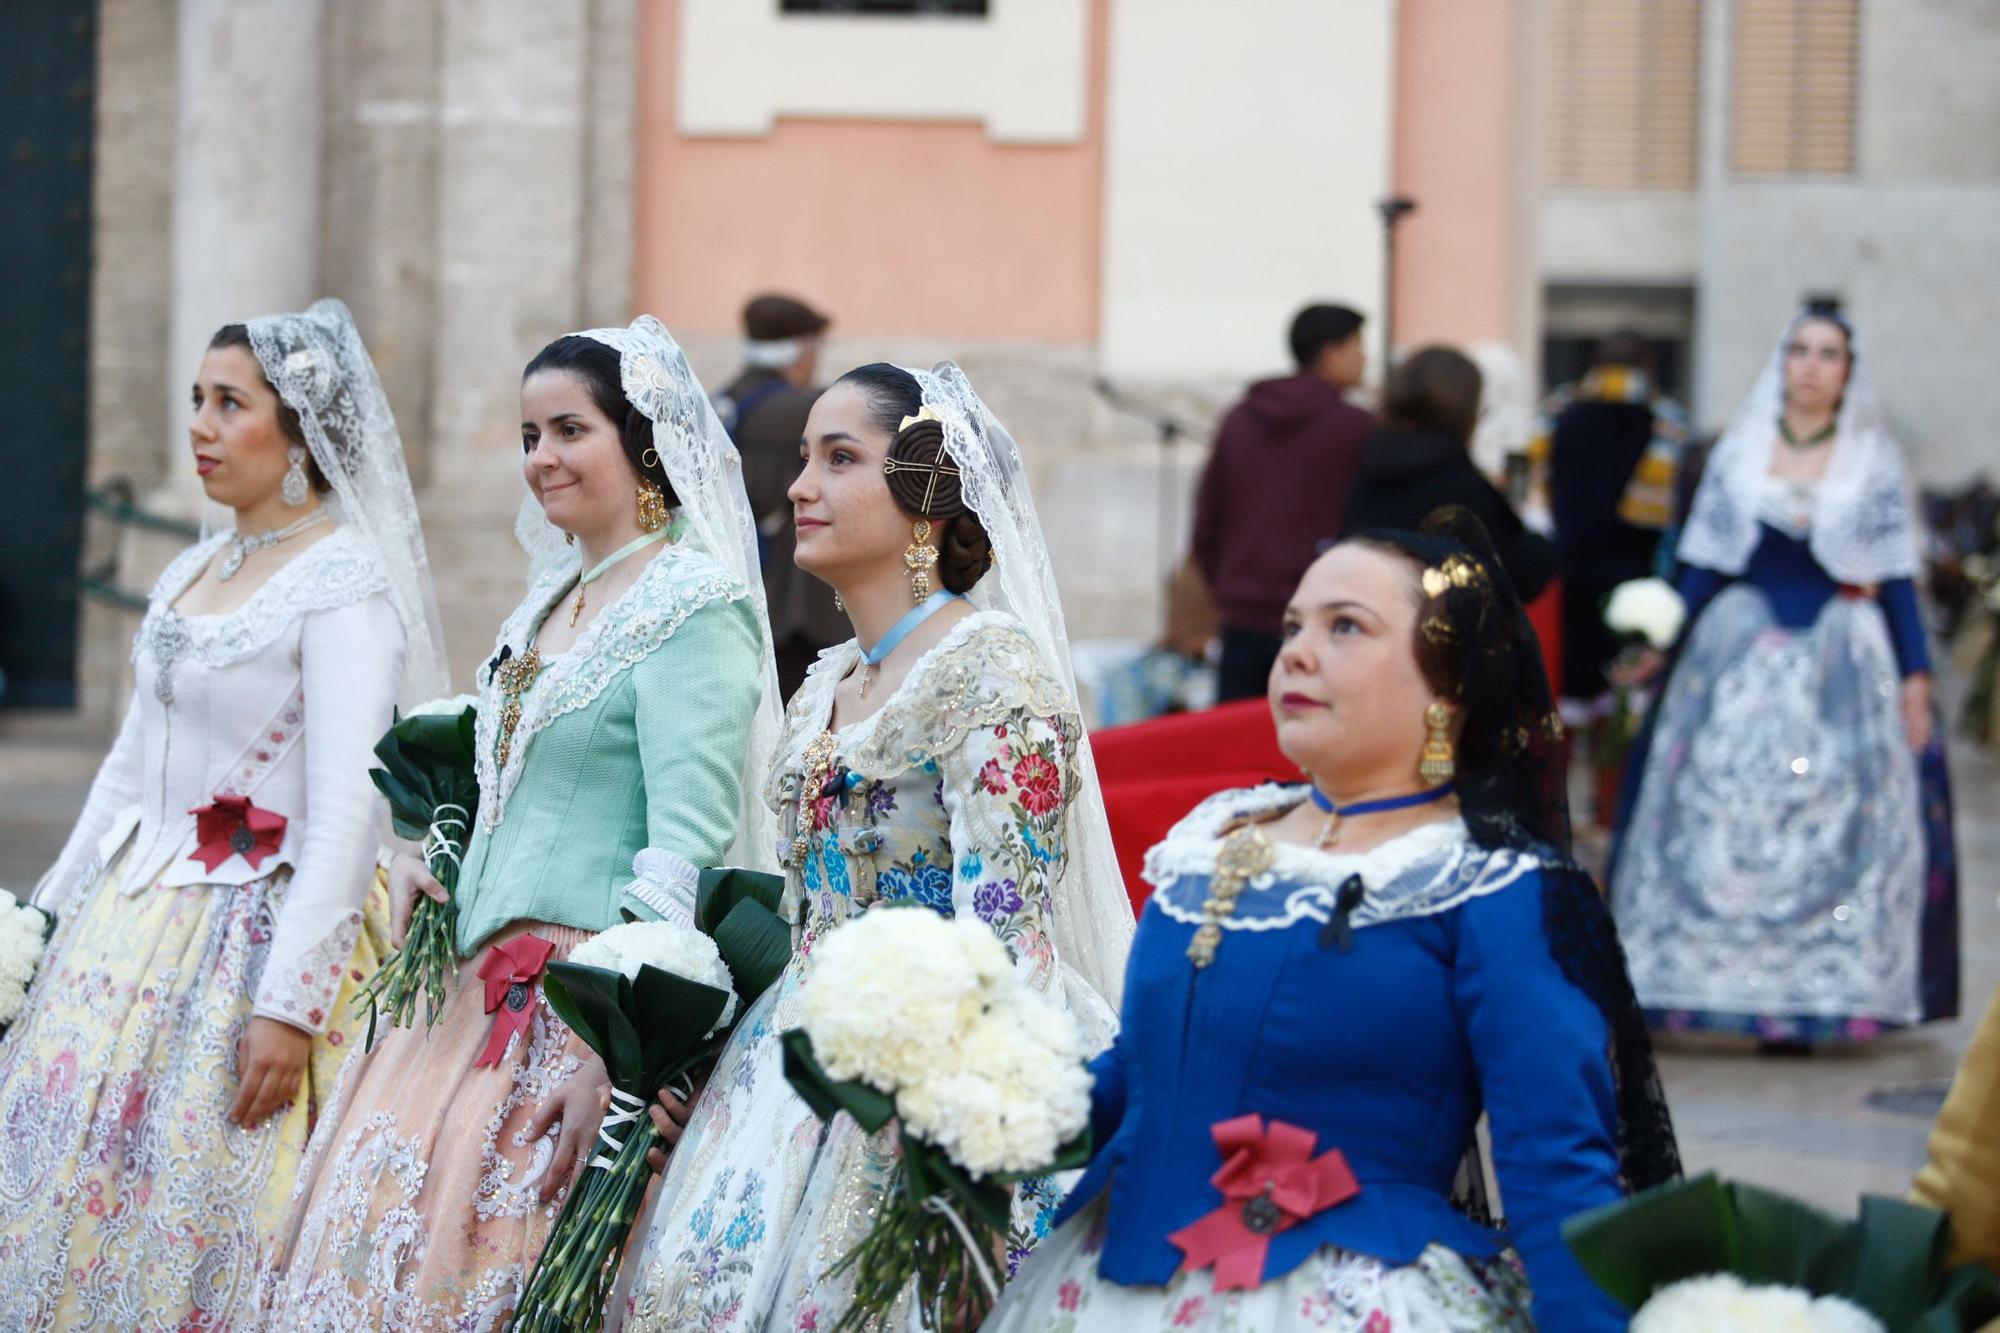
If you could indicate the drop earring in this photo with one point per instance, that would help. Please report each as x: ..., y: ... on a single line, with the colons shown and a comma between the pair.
x: 296, y: 488
x: 652, y: 506
x: 1438, y: 763
x: 919, y: 557
x: 838, y: 604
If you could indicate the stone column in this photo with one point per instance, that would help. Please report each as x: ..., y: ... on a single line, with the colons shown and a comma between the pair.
x: 247, y: 151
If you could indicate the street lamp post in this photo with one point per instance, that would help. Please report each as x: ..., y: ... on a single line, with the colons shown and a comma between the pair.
x: 1393, y: 210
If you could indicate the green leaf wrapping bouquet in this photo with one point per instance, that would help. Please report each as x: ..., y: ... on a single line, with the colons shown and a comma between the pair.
x: 428, y: 777
x: 922, y: 1020
x: 655, y: 1001
x: 1703, y: 1254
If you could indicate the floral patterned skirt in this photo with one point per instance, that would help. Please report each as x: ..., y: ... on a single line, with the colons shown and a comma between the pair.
x: 1059, y: 1291
x: 715, y: 1251
x: 419, y: 1205
x: 127, y: 1201
x: 1787, y: 870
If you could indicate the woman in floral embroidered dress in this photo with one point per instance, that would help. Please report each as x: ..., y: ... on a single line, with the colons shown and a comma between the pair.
x: 618, y: 720
x: 1332, y: 981
x: 192, y: 1011
x: 945, y: 765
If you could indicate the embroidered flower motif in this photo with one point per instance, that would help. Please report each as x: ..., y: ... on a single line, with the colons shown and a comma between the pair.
x: 970, y: 866
x: 1189, y: 1313
x: 920, y: 882
x: 1040, y: 784
x: 993, y: 778
x: 1378, y: 1322
x: 991, y: 902
x: 1068, y: 1294
x: 881, y: 800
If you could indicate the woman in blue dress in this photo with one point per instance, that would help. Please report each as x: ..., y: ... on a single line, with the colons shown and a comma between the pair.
x: 1331, y: 982
x: 1785, y: 868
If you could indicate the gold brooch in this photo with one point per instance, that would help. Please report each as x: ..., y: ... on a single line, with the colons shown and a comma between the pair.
x: 516, y: 675
x: 1245, y: 854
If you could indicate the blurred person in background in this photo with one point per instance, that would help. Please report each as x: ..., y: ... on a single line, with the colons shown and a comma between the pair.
x: 1418, y: 462
x: 1612, y: 447
x: 1275, y: 487
x: 764, y: 410
x: 1785, y: 868
x: 194, y: 1007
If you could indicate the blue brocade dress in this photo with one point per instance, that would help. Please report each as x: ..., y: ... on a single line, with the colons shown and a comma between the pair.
x: 1785, y: 865
x: 1445, y: 1000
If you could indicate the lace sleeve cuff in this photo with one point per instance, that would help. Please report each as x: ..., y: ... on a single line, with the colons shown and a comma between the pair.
x: 302, y: 990
x: 664, y: 883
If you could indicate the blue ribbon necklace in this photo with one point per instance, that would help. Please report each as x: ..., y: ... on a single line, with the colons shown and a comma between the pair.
x: 901, y: 630
x: 1336, y: 813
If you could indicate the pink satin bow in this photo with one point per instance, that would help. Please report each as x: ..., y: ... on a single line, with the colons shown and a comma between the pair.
x: 232, y: 826
x: 509, y: 971
x: 1270, y: 1181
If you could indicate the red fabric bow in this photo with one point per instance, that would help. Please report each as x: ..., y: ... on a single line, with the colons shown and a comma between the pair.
x: 1270, y: 1181
x: 509, y: 971
x: 234, y: 827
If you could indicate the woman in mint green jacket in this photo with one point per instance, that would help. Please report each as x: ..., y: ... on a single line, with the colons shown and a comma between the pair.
x: 624, y: 720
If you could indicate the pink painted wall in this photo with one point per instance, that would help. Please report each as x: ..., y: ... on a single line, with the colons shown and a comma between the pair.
x: 895, y: 229
x: 1456, y: 153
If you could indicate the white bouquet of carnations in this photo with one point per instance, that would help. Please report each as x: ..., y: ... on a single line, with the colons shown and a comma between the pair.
x: 1708, y: 1304
x: 24, y: 939
x: 1647, y: 608
x: 913, y: 1017
x: 447, y: 707
x: 654, y: 1000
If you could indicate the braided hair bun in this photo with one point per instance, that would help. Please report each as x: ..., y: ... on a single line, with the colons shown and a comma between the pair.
x: 923, y: 478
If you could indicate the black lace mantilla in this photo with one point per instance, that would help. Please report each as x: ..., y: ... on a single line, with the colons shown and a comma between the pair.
x: 1584, y: 942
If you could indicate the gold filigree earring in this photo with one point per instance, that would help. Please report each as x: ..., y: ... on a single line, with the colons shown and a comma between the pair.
x: 652, y: 505
x: 919, y: 557
x: 1439, y: 762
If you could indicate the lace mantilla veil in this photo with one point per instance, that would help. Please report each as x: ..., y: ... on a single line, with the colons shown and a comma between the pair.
x: 707, y: 476
x: 1863, y: 522
x: 318, y: 365
x: 1093, y: 915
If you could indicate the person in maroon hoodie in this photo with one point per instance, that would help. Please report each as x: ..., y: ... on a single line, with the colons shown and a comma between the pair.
x: 1275, y: 489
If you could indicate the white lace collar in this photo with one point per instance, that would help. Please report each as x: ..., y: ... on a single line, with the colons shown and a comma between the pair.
x: 334, y: 571
x: 675, y: 583
x: 1431, y: 869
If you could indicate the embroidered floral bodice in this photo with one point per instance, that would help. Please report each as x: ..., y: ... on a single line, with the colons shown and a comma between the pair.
x: 280, y: 700
x: 953, y: 795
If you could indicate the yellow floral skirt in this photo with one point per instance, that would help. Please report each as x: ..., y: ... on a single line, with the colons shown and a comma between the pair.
x: 127, y: 1200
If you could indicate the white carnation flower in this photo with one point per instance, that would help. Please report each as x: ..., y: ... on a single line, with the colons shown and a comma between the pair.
x: 1647, y: 607
x: 890, y: 992
x: 451, y: 707
x: 21, y: 945
x: 1703, y: 1304
x: 681, y: 950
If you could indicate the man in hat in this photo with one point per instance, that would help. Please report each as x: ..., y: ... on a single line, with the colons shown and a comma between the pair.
x: 764, y: 409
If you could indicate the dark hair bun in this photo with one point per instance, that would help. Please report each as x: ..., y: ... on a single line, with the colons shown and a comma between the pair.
x: 921, y: 475
x: 964, y: 552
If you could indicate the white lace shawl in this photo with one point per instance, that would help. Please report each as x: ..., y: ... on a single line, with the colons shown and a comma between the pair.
x: 1863, y: 527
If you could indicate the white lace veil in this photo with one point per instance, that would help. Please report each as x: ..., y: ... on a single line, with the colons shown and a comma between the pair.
x: 1093, y: 915
x: 707, y: 476
x: 318, y: 365
x: 1864, y: 525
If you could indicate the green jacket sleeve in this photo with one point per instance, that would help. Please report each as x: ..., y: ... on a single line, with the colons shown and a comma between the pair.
x: 696, y: 695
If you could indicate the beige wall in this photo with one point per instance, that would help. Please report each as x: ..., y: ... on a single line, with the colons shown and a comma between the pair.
x: 1246, y: 145
x: 897, y: 225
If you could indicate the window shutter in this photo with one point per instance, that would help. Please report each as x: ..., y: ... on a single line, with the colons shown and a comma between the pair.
x: 1793, y: 100
x: 1623, y: 98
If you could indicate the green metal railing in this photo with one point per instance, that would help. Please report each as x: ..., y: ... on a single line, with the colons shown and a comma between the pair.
x: 114, y: 501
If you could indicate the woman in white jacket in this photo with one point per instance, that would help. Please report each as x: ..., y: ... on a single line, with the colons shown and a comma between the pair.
x: 158, y: 1089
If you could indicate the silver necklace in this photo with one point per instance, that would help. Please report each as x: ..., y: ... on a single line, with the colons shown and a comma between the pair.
x: 240, y: 547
